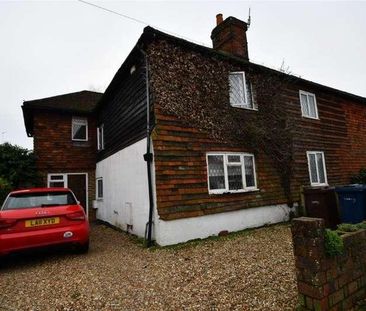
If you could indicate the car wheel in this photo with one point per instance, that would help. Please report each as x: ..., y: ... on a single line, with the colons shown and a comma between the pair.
x: 82, y: 248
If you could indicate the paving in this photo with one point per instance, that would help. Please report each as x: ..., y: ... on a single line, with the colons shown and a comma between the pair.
x: 251, y: 270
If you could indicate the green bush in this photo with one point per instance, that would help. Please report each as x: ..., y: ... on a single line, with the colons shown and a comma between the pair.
x: 361, y: 225
x: 333, y: 243
x: 351, y: 227
x: 18, y: 166
x: 360, y: 178
x: 5, y: 188
x: 347, y: 227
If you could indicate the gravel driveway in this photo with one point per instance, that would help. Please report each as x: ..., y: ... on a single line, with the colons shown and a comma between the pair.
x: 253, y: 270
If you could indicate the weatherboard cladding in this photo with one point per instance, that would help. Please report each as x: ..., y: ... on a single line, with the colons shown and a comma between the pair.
x: 180, y: 147
x: 124, y: 114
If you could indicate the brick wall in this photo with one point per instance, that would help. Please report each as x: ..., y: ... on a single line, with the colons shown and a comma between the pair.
x: 54, y: 147
x: 328, y: 283
x: 57, y: 153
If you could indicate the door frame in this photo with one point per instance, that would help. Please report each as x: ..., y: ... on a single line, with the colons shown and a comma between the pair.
x: 66, y: 186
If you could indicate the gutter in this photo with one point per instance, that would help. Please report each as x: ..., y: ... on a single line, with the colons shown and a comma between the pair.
x: 148, y: 156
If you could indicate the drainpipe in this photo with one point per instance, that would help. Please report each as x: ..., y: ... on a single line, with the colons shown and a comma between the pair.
x: 148, y: 156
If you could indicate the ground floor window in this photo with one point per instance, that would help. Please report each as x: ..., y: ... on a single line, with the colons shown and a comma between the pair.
x: 57, y: 180
x: 231, y: 172
x: 99, y: 188
x: 317, y: 170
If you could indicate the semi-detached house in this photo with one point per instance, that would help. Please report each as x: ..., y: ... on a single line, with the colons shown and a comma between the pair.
x: 191, y: 141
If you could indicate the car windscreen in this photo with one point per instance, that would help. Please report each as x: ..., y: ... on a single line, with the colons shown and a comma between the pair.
x: 39, y: 199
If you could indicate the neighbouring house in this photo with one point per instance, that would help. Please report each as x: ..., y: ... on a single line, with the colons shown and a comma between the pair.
x: 192, y: 141
x: 64, y: 131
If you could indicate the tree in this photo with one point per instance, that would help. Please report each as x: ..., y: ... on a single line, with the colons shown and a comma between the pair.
x: 17, y: 169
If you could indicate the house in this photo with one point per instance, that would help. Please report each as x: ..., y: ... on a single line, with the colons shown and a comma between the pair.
x: 193, y: 141
x: 64, y: 131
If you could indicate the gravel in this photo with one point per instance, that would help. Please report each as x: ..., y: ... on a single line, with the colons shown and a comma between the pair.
x: 251, y: 270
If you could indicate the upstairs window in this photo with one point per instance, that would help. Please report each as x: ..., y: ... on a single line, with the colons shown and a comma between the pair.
x: 230, y: 172
x: 79, y: 129
x: 241, y: 92
x: 100, y: 137
x: 308, y: 105
x: 99, y: 188
x: 317, y: 171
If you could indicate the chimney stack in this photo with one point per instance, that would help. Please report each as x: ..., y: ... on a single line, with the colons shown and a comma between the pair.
x: 219, y: 19
x: 230, y: 36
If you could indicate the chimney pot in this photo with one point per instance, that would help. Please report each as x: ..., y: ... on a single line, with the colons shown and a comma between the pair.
x: 219, y: 19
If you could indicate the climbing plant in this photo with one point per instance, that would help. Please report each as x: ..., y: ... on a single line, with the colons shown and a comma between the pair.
x: 196, y: 90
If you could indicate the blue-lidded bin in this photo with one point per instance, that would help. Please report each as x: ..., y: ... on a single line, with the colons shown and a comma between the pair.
x: 352, y: 203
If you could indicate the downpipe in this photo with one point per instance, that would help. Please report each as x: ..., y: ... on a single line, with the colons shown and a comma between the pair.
x: 148, y: 157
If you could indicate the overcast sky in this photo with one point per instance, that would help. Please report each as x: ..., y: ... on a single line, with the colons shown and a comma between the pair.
x: 52, y: 48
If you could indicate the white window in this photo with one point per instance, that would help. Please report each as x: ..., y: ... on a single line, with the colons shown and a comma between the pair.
x: 99, y: 191
x: 308, y: 105
x: 317, y: 170
x: 100, y: 137
x: 79, y: 129
x: 231, y: 172
x: 241, y: 91
x: 57, y: 181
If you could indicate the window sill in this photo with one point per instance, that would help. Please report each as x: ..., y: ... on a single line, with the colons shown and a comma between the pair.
x: 232, y: 192
x: 244, y: 107
x: 307, y: 117
x: 319, y: 185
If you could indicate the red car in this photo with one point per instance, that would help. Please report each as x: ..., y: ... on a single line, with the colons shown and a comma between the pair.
x: 42, y: 217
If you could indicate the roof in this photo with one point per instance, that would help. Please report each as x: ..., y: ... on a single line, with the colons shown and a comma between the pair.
x: 150, y: 34
x: 82, y: 102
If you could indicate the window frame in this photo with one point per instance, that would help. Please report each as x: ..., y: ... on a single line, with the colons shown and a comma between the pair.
x: 307, y: 94
x: 244, y: 105
x: 226, y: 176
x: 82, y: 121
x: 51, y: 180
x: 97, y: 188
x: 100, y: 137
x: 315, y: 184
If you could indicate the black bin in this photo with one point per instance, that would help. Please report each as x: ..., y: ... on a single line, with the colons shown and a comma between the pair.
x: 322, y: 203
x: 352, y: 202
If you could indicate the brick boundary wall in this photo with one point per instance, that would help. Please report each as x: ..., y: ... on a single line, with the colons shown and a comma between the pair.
x: 328, y: 283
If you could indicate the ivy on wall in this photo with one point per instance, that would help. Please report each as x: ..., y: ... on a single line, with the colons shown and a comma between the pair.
x: 195, y: 89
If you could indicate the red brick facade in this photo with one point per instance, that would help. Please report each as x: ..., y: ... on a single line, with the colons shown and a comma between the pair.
x: 56, y: 152
x: 324, y: 282
x: 54, y: 147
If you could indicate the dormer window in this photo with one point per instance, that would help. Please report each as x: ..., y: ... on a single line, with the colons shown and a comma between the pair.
x: 309, y: 108
x: 79, y: 129
x: 241, y: 93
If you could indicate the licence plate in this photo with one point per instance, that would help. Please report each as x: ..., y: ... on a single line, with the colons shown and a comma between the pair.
x: 42, y: 222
